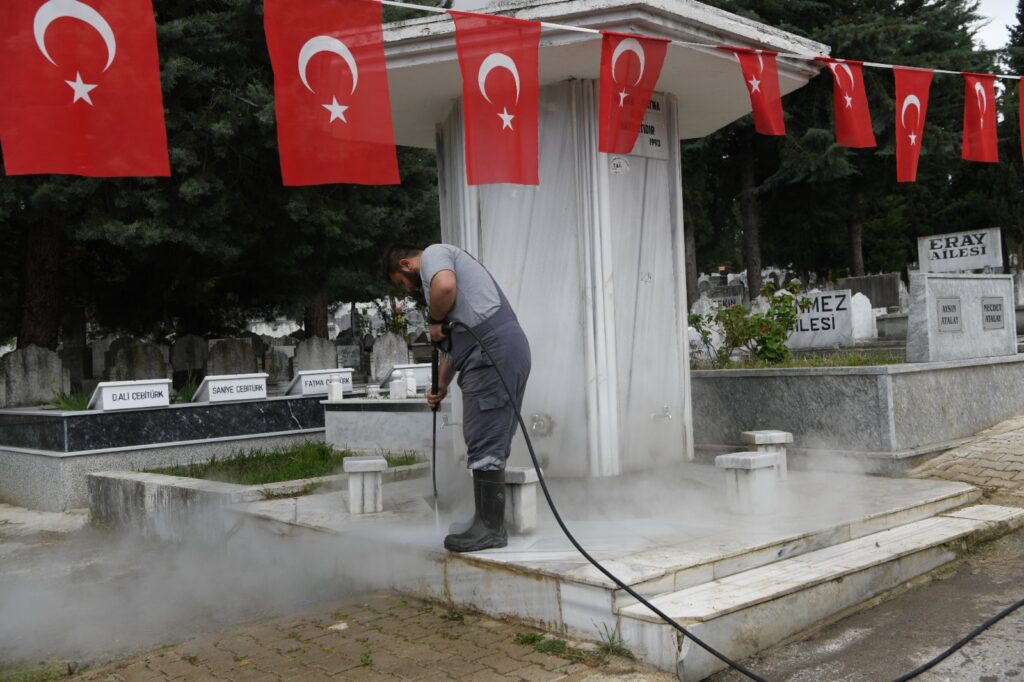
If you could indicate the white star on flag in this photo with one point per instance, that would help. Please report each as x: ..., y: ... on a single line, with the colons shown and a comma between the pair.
x: 622, y: 97
x: 81, y: 89
x: 849, y: 101
x: 337, y: 110
x: 506, y: 119
x: 913, y: 139
x: 755, y: 85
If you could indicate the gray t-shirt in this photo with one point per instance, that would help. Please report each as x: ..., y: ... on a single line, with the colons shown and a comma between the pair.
x: 476, y: 295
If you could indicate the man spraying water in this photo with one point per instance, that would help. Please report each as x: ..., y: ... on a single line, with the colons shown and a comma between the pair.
x: 460, y: 292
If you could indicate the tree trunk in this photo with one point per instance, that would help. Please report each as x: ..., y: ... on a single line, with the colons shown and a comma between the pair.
x: 690, y: 262
x: 856, y: 234
x: 40, y: 286
x: 315, y: 321
x: 751, y: 221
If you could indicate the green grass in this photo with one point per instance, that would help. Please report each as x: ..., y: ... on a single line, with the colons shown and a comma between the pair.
x: 845, y: 359
x: 33, y: 672
x: 187, y: 391
x: 70, y: 402
x: 257, y: 466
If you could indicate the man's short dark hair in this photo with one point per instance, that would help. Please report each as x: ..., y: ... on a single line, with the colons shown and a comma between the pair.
x: 394, y: 254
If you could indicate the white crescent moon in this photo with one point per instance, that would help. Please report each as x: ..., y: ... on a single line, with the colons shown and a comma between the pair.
x: 979, y: 93
x: 496, y: 60
x: 909, y: 101
x: 849, y: 72
x: 760, y: 61
x: 57, y: 9
x: 629, y: 45
x: 318, y: 44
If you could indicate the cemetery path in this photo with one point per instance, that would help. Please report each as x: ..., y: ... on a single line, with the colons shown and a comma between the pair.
x: 379, y: 637
x: 993, y: 460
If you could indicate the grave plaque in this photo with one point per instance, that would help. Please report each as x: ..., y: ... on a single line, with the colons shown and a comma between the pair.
x: 960, y: 316
x: 949, y: 315
x: 131, y: 395
x: 827, y: 323
x: 653, y: 141
x: 314, y: 382
x: 229, y: 387
x: 992, y: 312
x: 971, y: 250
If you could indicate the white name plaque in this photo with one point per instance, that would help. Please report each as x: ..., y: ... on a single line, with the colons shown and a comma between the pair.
x: 960, y: 251
x: 653, y: 141
x: 314, y: 381
x: 131, y: 395
x: 225, y: 387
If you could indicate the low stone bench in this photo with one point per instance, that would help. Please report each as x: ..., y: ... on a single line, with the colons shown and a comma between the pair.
x: 521, y: 500
x: 771, y: 442
x: 751, y: 481
x: 365, y: 489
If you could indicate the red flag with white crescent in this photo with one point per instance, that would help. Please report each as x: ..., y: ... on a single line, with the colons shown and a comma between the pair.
x: 850, y: 103
x: 761, y: 77
x: 630, y: 66
x: 980, y: 140
x: 912, y: 87
x: 331, y: 92
x: 500, y: 97
x: 81, y: 89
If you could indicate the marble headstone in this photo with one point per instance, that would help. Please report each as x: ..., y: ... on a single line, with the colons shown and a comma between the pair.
x: 232, y: 356
x: 315, y: 353
x: 827, y: 323
x: 864, y: 327
x: 31, y: 376
x: 100, y: 348
x: 276, y: 364
x: 882, y: 290
x: 388, y: 350
x: 958, y: 317
x: 131, y: 360
x: 960, y: 251
x: 188, y: 357
x: 350, y: 356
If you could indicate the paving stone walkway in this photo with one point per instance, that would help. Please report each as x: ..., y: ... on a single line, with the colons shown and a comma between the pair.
x: 382, y: 637
x: 993, y: 460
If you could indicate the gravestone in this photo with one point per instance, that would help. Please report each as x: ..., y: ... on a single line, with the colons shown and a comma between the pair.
x: 730, y: 295
x: 259, y: 346
x: 883, y: 290
x: 130, y: 360
x: 827, y: 323
x: 231, y: 356
x: 864, y: 327
x: 277, y: 366
x: 99, y: 349
x: 957, y: 317
x: 388, y: 350
x: 315, y: 353
x: 959, y: 251
x: 31, y: 376
x: 350, y: 356
x: 189, y: 355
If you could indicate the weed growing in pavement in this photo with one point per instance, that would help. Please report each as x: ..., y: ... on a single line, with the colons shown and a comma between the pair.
x: 453, y: 616
x: 426, y: 608
x: 365, y: 660
x: 190, y: 658
x: 528, y: 638
x: 551, y: 646
x: 611, y: 642
x: 449, y: 636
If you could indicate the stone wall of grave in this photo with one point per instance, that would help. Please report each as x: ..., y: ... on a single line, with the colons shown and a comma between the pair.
x: 956, y: 317
x: 882, y: 290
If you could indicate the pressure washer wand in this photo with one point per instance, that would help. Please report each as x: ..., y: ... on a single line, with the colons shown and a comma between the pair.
x: 435, y: 362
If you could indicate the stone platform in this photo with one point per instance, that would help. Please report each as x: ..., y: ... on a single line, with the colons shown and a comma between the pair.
x: 848, y: 538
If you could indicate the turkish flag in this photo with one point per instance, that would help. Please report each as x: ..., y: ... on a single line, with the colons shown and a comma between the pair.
x: 761, y: 75
x: 980, y: 141
x: 911, y: 106
x: 81, y: 88
x: 850, y: 103
x: 331, y: 92
x: 630, y: 66
x: 500, y: 96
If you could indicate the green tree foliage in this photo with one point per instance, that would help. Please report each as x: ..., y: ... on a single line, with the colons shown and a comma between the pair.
x: 814, y: 194
x: 222, y: 239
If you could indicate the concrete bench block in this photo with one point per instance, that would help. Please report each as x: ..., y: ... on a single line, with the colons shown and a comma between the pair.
x: 751, y: 481
x: 365, y: 489
x: 774, y: 442
x: 521, y: 500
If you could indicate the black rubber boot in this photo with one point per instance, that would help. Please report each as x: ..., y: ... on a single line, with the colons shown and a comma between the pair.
x: 488, y: 529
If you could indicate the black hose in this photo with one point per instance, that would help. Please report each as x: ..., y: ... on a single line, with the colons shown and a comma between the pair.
x: 686, y: 633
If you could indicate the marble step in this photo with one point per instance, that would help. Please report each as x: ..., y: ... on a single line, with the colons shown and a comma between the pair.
x: 749, y: 611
